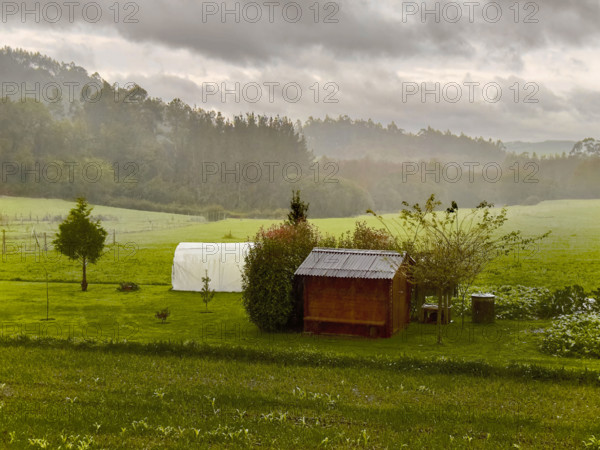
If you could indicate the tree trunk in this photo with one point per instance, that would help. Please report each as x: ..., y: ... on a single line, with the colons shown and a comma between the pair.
x: 439, y: 316
x: 84, y: 283
x: 462, y: 318
x: 447, y: 307
x: 420, y: 297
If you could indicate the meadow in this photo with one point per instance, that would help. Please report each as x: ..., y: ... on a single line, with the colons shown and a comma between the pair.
x: 141, y: 243
x: 105, y: 373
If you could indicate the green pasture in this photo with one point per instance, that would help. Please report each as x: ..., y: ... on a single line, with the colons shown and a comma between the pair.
x: 104, y: 373
x: 141, y: 244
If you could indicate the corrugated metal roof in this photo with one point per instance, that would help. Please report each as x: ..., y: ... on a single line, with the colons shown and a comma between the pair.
x: 351, y: 263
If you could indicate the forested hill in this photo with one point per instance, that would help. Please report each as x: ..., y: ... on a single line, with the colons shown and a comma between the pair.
x: 121, y: 147
x: 22, y: 66
x: 344, y: 138
x: 25, y: 74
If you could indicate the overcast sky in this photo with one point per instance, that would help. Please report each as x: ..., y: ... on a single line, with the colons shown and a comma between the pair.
x: 505, y: 70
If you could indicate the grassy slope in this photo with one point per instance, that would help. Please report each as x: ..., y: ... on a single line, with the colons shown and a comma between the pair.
x: 571, y: 255
x: 146, y: 242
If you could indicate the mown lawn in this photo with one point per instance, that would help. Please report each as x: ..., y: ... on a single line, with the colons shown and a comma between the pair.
x: 118, y: 398
x: 104, y: 314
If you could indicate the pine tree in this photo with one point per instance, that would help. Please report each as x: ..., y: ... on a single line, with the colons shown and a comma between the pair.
x: 298, y: 210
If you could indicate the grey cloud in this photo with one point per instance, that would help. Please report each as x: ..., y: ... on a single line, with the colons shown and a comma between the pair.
x: 362, y: 54
x: 376, y: 93
x: 165, y: 86
x: 587, y: 104
x: 364, y: 31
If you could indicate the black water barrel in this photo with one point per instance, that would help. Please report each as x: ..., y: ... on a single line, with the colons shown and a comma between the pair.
x: 482, y: 308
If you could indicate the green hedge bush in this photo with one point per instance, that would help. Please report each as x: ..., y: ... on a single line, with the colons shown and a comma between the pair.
x: 268, y: 277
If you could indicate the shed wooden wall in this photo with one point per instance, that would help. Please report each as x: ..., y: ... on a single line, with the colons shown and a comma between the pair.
x: 364, y: 307
x: 347, y: 298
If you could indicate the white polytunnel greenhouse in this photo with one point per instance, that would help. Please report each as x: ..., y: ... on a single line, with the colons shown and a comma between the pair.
x: 223, y: 262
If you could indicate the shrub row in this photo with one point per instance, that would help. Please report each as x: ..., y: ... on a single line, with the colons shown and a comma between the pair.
x: 529, y: 303
x: 573, y: 335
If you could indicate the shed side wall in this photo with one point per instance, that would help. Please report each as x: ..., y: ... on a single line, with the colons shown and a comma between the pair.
x: 349, y: 300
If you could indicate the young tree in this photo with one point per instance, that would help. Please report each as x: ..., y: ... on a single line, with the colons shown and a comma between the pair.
x: 298, y: 210
x: 207, y: 293
x: 452, y: 247
x: 163, y: 315
x: 81, y: 238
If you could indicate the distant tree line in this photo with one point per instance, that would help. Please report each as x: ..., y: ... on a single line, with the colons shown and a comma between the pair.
x: 510, y: 180
x: 346, y: 138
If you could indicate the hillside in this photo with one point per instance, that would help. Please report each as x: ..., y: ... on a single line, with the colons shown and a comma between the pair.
x: 146, y: 242
x: 122, y: 147
x: 25, y: 74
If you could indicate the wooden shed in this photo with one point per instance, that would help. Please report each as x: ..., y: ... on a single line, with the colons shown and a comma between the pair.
x: 355, y: 292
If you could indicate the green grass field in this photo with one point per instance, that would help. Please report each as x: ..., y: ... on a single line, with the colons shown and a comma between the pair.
x: 104, y: 314
x: 65, y: 384
x: 127, y: 399
x: 145, y: 243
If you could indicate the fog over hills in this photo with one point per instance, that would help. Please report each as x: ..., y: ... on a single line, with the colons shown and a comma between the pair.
x: 540, y: 148
x: 187, y: 159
